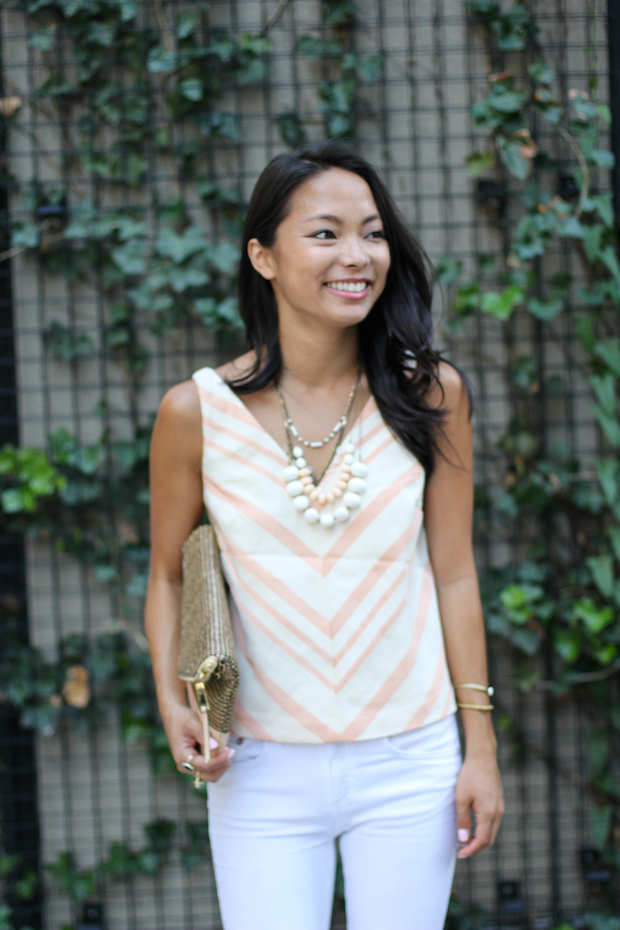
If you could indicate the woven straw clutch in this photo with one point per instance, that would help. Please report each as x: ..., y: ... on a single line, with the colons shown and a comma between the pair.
x: 207, y: 658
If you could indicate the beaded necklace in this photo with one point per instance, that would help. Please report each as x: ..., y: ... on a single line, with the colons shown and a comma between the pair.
x: 298, y: 477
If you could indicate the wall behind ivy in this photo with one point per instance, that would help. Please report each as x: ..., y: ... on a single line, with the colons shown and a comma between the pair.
x: 135, y: 136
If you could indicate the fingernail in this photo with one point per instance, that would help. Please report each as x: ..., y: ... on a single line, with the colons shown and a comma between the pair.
x: 461, y: 855
x: 463, y: 835
x: 213, y: 742
x: 231, y: 753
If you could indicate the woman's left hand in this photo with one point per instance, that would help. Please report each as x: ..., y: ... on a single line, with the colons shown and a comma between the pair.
x: 478, y: 788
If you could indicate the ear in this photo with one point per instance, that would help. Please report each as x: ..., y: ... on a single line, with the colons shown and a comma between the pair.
x: 262, y: 259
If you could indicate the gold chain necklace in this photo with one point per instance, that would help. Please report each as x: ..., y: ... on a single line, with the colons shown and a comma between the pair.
x: 340, y: 425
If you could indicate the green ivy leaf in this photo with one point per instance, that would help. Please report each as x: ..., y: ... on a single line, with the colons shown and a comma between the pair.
x: 26, y: 235
x: 251, y: 71
x: 369, y: 69
x: 180, y: 247
x: 225, y: 125
x: 79, y: 885
x: 186, y: 23
x: 337, y: 11
x: 614, y: 535
x: 128, y: 8
x: 603, y: 205
x: 479, y: 162
x: 315, y: 49
x: 594, y: 618
x: 160, y: 61
x: 606, y: 654
x: 483, y: 9
x: 502, y: 305
x: 130, y: 258
x: 217, y: 316
x: 65, y: 344
x: 541, y: 73
x: 571, y: 227
x: 545, y: 310
x: 467, y: 299
x: 609, y: 425
x: 224, y: 257
x: 291, y: 129
x: 610, y: 260
x: 585, y: 330
x: 600, y: 823
x: 504, y: 99
x: 101, y: 33
x: 525, y: 639
x: 192, y: 89
x: 602, y: 158
x: 188, y: 276
x: 567, y: 644
x: 592, y: 238
x: 602, y: 571
x: 608, y: 471
x: 45, y: 39
x: 447, y: 270
x: 605, y: 389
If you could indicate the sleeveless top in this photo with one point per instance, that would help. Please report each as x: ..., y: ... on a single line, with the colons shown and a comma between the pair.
x: 337, y: 630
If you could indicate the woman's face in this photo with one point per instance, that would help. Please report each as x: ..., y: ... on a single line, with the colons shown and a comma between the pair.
x: 330, y: 259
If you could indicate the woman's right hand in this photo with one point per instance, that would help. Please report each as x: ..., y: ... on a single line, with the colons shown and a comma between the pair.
x: 184, y: 732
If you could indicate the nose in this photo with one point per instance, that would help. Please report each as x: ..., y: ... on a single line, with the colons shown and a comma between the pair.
x: 353, y: 254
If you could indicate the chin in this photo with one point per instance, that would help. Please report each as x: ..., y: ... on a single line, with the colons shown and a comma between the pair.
x: 348, y: 313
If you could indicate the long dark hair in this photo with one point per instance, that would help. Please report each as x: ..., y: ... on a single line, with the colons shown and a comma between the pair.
x: 398, y: 328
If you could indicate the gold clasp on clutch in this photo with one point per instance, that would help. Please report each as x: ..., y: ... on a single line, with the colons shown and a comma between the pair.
x: 201, y: 697
x: 206, y: 668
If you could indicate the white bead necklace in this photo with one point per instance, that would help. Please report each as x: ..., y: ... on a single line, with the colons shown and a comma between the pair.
x: 308, y: 495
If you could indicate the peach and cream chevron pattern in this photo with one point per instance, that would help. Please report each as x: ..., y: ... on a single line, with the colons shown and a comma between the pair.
x: 337, y: 630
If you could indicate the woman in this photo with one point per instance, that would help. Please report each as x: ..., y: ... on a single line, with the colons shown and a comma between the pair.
x: 335, y: 461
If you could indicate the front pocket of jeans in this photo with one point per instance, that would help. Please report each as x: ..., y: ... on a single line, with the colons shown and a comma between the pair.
x: 438, y: 739
x: 247, y: 750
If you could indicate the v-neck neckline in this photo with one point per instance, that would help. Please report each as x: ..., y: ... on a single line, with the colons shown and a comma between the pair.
x: 259, y: 426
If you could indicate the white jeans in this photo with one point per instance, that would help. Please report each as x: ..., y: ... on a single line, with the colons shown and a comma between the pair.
x: 275, y: 815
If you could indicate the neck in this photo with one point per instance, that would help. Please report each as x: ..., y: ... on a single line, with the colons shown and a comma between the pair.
x: 318, y: 359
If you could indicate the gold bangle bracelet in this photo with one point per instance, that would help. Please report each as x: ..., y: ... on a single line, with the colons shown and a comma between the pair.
x: 475, y: 706
x: 488, y: 689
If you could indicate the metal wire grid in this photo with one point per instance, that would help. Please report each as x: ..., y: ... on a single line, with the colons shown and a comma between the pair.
x: 417, y: 131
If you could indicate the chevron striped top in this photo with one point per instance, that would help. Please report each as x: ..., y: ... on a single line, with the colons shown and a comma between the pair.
x: 337, y: 630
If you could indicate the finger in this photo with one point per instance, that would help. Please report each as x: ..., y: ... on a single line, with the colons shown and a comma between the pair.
x: 216, y: 761
x: 463, y: 819
x: 481, y: 840
x: 496, y: 824
x: 471, y: 849
x: 213, y: 773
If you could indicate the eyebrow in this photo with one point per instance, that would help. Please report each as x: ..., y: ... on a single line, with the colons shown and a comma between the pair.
x: 337, y: 219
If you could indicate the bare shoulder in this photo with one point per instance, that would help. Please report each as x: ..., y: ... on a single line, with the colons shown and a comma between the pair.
x: 180, y: 404
x: 237, y: 367
x: 177, y: 434
x: 449, y: 391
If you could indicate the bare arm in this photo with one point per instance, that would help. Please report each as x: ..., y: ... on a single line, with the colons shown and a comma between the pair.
x: 448, y: 511
x: 176, y: 509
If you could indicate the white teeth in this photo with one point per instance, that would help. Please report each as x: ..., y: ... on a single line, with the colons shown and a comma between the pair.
x: 354, y: 287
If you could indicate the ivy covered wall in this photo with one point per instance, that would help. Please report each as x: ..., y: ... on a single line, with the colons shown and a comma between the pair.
x: 135, y: 131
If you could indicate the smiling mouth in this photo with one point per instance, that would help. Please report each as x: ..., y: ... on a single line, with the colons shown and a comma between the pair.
x: 350, y: 287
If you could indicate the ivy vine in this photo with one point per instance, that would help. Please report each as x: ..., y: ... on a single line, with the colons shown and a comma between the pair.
x: 157, y: 268
x: 560, y: 601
